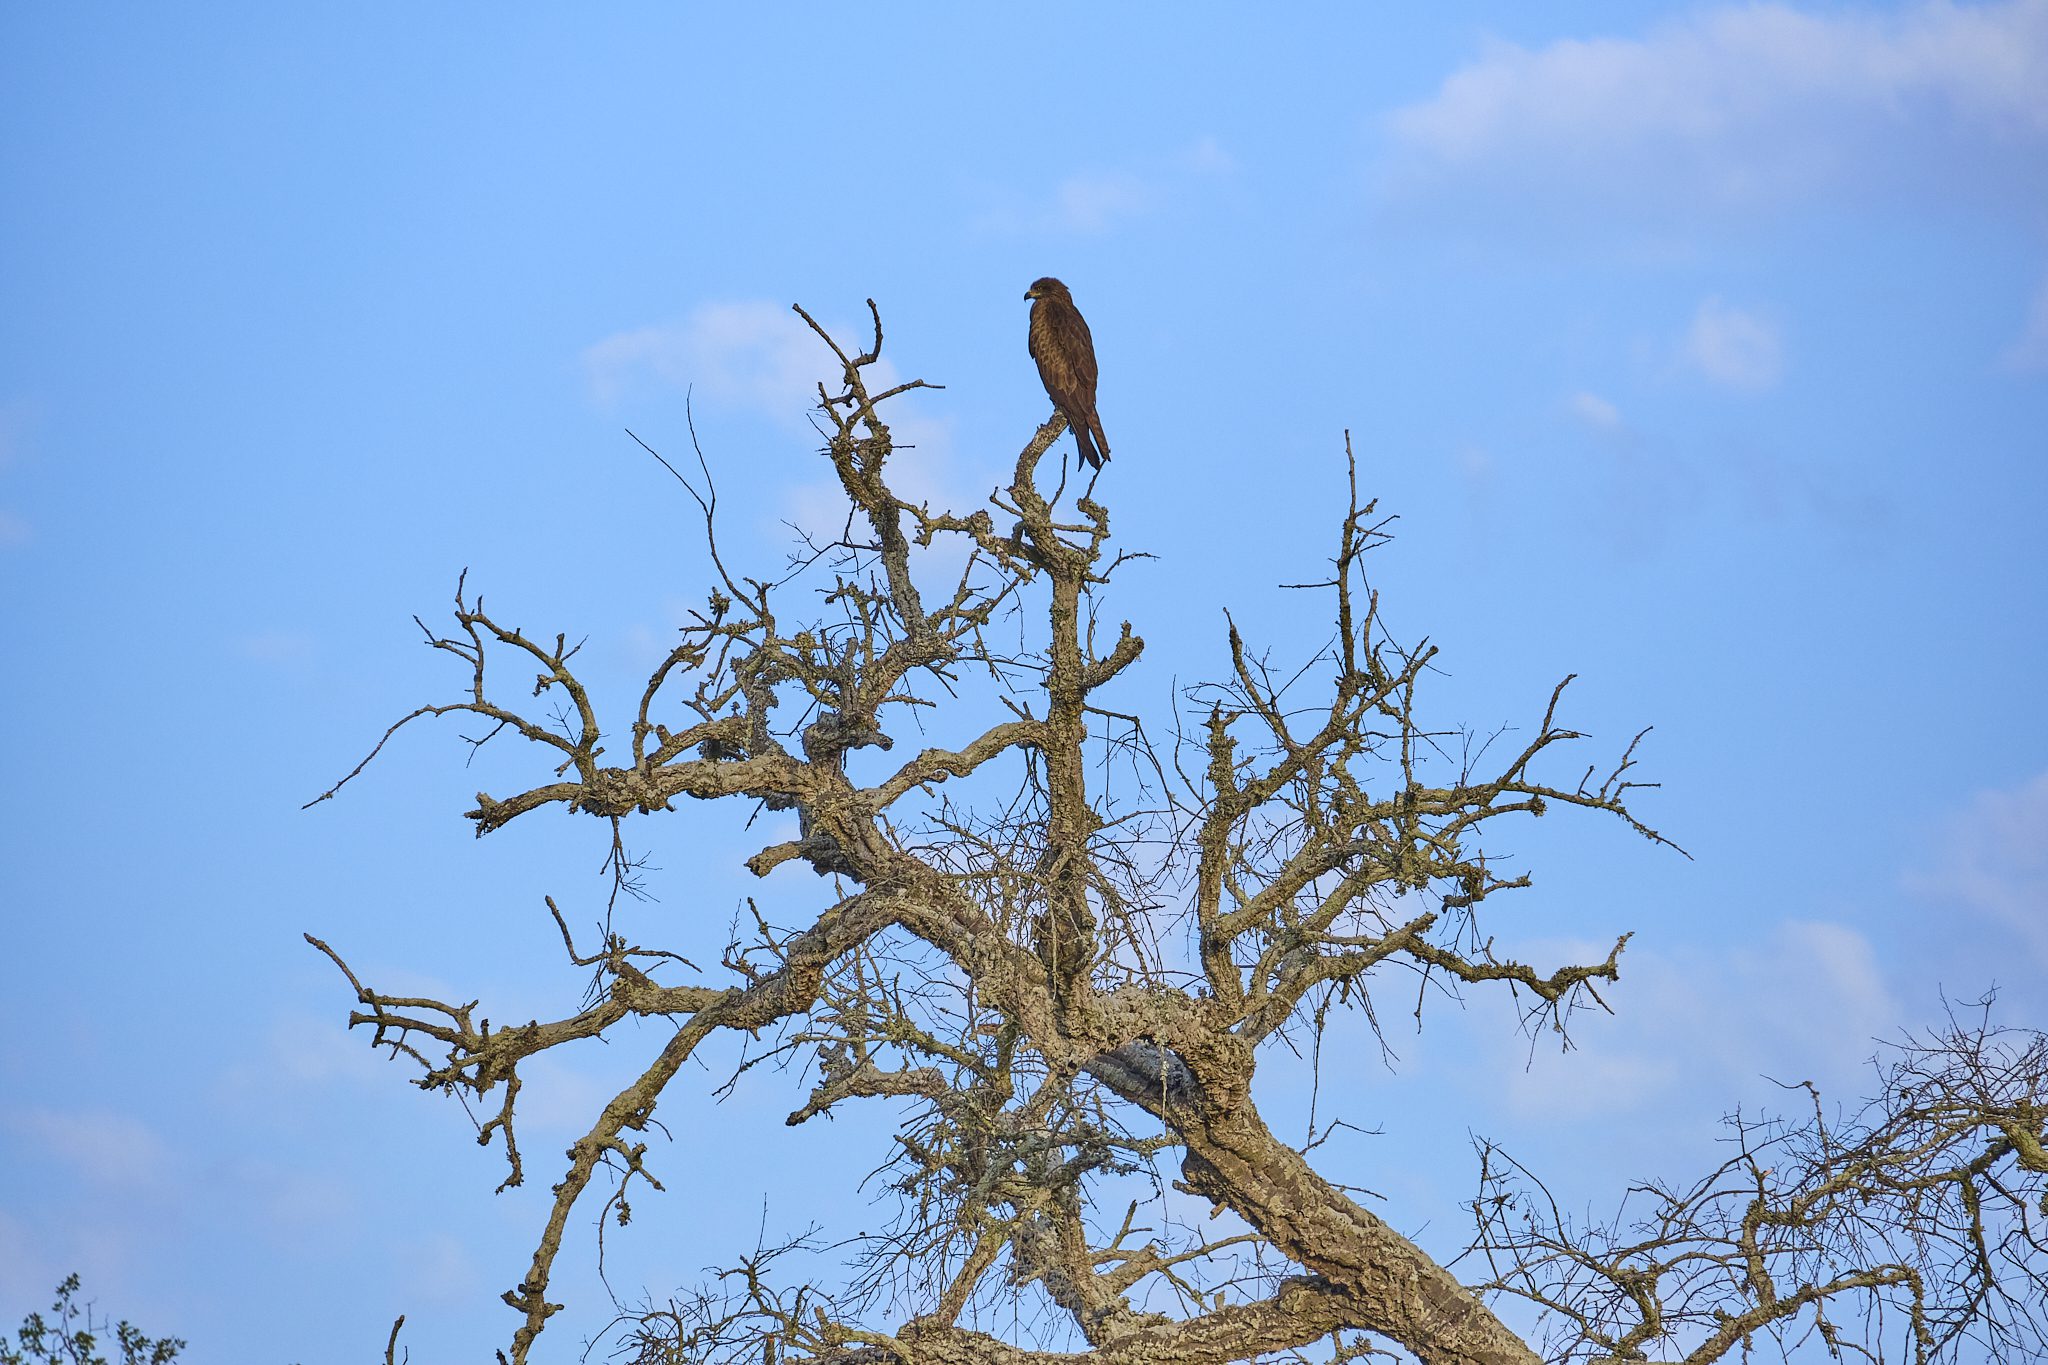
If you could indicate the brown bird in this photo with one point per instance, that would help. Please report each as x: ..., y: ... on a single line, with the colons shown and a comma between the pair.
x: 1065, y: 353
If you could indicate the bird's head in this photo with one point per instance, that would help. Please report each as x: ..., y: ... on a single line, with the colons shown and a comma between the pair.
x: 1047, y: 288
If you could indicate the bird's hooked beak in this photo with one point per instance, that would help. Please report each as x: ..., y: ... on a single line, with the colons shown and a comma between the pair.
x: 1031, y: 293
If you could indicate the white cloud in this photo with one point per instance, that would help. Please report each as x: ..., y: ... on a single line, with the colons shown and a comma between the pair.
x: 754, y: 355
x: 440, y: 1269
x: 107, y: 1149
x: 1806, y: 1002
x: 280, y: 648
x: 1595, y: 411
x: 28, y: 1271
x: 1209, y: 157
x: 924, y: 468
x: 763, y: 357
x: 1744, y: 105
x: 1841, y: 970
x: 559, y: 1099
x: 309, y: 1051
x: 1993, y: 860
x: 1733, y: 348
x: 104, y: 1247
x: 1094, y: 203
x: 1083, y: 204
x: 16, y: 417
x: 294, y: 1207
x: 2030, y: 352
x: 644, y: 645
x: 1098, y: 201
x: 14, y: 423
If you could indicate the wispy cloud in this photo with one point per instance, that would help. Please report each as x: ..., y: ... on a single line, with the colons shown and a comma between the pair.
x: 1476, y: 463
x: 563, y: 1097
x: 439, y: 1268
x: 1593, y: 411
x: 748, y: 354
x: 106, y: 1149
x: 1207, y: 156
x: 304, y: 1051
x: 1095, y: 203
x: 291, y: 1206
x: 2030, y: 351
x: 1733, y: 348
x: 29, y: 1265
x: 277, y: 648
x: 1805, y: 1002
x: 761, y: 357
x: 1991, y: 859
x: 1100, y: 200
x: 1740, y: 107
x: 925, y: 468
x: 16, y: 417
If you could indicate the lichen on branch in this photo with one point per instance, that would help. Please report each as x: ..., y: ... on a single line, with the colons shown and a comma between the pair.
x: 1062, y: 984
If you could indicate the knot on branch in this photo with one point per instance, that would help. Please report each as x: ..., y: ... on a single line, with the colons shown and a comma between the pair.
x: 826, y: 855
x: 1128, y: 648
x: 612, y: 792
x: 489, y: 813
x: 1200, y: 1178
x: 829, y: 738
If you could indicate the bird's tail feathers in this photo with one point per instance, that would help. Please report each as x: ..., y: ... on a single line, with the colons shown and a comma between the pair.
x: 1101, y: 441
x: 1086, y: 447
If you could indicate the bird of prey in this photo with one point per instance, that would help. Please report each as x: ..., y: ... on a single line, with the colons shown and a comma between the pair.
x: 1065, y: 353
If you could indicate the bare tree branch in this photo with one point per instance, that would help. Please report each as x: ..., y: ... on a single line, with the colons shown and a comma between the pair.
x: 1059, y: 957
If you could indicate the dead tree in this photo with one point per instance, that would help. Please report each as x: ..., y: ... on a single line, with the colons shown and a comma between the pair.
x: 1911, y: 1230
x: 1067, y: 996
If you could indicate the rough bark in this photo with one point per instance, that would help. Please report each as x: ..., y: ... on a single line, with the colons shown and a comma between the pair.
x: 1066, y: 994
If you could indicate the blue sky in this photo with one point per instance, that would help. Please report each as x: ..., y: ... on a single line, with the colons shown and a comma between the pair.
x: 1701, y: 350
